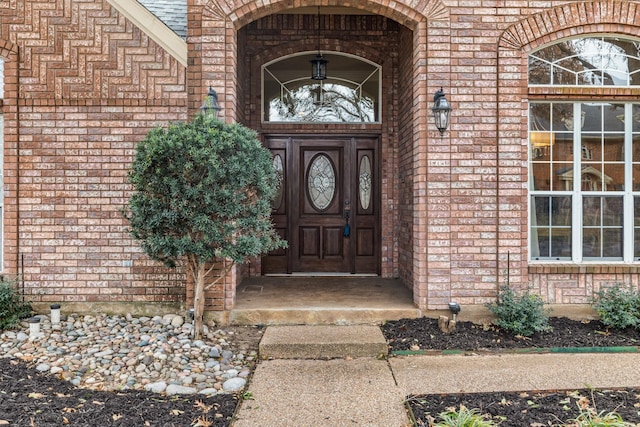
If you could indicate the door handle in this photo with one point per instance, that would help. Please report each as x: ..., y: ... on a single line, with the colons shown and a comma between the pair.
x: 346, y: 230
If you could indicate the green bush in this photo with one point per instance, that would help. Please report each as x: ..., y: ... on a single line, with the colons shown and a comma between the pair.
x: 522, y: 314
x: 463, y: 418
x: 618, y: 307
x: 12, y: 308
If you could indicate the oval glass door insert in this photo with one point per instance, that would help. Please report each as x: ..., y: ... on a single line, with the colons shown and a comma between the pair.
x: 364, y: 182
x: 321, y: 182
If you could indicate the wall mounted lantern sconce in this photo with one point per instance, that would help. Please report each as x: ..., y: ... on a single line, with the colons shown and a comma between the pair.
x: 441, y: 111
x: 318, y: 64
x: 211, y: 104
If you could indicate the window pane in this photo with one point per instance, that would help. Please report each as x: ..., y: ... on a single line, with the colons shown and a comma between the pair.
x: 602, y: 227
x: 591, y: 243
x: 562, y: 117
x: 612, y: 239
x: 635, y: 150
x: 551, y: 227
x: 539, y: 71
x: 612, y: 211
x: 614, y: 177
x: 591, y: 211
x: 561, y: 211
x: 562, y: 147
x: 602, y: 147
x: 636, y: 227
x: 550, y: 151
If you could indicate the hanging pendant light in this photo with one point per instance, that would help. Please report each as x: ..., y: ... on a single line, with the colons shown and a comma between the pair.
x: 318, y: 64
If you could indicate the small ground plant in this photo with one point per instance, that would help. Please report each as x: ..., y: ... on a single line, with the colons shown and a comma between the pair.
x: 12, y: 308
x: 463, y: 417
x: 618, y: 307
x: 520, y: 313
x: 589, y: 418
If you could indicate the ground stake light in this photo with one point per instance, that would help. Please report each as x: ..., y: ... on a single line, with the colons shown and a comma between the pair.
x: 454, y: 308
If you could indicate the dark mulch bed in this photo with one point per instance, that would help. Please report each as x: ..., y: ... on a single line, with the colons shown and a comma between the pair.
x: 537, y: 409
x: 34, y: 399
x: 425, y: 334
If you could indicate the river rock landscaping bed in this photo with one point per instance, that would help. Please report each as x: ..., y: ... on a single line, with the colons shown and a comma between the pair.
x: 122, y: 370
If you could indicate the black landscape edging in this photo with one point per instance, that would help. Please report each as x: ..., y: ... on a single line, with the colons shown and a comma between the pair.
x: 530, y: 350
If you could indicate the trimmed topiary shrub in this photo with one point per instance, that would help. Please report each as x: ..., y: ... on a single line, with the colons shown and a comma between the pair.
x: 520, y: 313
x: 12, y: 308
x: 618, y: 307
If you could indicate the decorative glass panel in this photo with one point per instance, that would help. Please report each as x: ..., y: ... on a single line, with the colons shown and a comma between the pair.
x: 321, y: 182
x: 349, y: 94
x: 364, y: 182
x: 588, y: 61
x: 279, y: 168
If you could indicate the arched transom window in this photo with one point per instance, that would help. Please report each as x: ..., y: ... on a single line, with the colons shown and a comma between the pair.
x: 349, y: 94
x: 584, y: 155
x: 587, y: 61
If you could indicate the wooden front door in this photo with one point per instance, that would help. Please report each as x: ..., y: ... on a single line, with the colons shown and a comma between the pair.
x: 328, y: 206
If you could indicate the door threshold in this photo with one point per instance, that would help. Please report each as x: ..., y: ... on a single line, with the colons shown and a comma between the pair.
x: 321, y: 274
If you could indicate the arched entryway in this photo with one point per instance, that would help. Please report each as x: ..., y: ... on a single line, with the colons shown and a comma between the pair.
x: 237, y: 40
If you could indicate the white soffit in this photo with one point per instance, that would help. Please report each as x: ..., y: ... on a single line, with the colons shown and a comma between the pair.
x: 153, y: 27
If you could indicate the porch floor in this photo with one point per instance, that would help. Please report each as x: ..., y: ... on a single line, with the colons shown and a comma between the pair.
x: 291, y: 300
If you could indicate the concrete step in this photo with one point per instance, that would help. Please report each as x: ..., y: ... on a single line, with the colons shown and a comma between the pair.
x: 319, y: 315
x: 322, y: 342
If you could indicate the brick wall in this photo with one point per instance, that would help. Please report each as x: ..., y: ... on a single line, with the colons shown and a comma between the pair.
x: 90, y: 87
x: 404, y: 206
x: 454, y: 207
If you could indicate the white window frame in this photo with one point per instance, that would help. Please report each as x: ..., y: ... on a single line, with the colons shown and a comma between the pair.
x: 577, y: 195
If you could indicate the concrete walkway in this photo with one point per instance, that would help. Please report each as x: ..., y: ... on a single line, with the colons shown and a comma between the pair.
x: 370, y: 392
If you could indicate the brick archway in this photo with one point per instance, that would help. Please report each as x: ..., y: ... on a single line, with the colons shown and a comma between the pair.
x: 213, y: 61
x: 240, y: 13
x: 570, y: 20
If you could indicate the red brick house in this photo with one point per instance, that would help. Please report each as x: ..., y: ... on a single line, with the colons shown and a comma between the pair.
x: 542, y: 92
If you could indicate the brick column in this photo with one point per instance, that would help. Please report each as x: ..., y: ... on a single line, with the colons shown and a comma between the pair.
x: 438, y: 166
x: 10, y: 111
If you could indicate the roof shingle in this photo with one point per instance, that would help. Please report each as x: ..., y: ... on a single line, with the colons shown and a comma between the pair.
x: 172, y: 12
